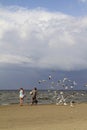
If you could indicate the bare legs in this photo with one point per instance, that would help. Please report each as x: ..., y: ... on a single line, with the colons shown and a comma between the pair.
x: 21, y: 101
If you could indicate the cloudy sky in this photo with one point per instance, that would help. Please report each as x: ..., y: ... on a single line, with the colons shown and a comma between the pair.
x: 46, y: 34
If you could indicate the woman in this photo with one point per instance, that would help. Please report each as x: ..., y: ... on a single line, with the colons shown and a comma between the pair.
x: 34, y: 96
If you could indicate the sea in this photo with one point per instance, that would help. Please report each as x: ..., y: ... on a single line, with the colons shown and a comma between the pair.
x: 9, y: 97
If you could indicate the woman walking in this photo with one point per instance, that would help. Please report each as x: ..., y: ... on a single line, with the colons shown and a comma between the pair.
x: 34, y: 96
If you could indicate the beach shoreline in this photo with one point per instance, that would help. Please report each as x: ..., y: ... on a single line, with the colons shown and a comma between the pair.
x: 43, y: 117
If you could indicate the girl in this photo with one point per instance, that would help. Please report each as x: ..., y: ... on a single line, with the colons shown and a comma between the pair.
x: 21, y: 96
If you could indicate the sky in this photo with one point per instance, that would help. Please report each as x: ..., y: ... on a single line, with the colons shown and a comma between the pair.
x: 45, y: 34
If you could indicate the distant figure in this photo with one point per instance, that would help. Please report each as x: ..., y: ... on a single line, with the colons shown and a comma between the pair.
x: 21, y: 96
x: 33, y: 94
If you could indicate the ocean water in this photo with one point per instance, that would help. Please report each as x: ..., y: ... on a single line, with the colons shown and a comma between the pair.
x: 8, y: 97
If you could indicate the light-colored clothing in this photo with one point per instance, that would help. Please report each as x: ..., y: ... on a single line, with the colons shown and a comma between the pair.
x: 21, y: 94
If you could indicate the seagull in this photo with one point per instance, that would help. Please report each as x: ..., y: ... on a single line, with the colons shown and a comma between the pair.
x: 50, y: 77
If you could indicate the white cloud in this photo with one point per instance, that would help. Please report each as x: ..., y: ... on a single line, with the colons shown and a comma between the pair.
x: 43, y: 39
x: 83, y: 1
x: 15, y: 59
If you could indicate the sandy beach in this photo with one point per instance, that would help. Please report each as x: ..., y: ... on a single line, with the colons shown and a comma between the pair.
x: 43, y: 117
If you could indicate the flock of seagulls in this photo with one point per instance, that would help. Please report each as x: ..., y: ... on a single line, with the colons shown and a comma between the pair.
x: 64, y: 84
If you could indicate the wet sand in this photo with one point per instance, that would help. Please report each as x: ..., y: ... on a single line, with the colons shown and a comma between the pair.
x: 43, y: 117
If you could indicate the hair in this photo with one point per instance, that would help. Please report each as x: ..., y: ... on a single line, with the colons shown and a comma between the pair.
x: 22, y: 88
x: 35, y: 88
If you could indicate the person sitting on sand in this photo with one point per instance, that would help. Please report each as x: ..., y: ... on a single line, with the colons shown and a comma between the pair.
x: 21, y: 96
x: 33, y: 94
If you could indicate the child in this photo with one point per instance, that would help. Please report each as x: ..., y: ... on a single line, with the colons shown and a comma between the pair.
x: 21, y: 96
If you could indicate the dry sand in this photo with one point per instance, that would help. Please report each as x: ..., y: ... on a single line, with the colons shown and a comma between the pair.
x: 43, y: 117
